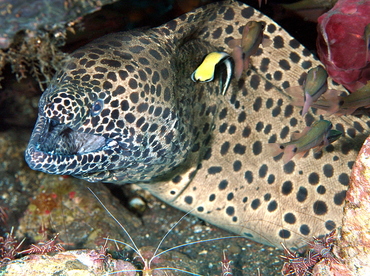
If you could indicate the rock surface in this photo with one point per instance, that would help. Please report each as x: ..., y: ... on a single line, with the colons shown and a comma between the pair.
x: 354, y: 244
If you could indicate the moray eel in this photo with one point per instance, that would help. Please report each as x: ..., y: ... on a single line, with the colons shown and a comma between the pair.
x: 125, y: 110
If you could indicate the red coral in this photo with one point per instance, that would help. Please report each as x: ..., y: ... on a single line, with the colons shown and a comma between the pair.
x: 341, y: 45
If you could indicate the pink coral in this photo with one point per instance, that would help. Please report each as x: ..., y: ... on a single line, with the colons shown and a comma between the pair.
x: 341, y: 45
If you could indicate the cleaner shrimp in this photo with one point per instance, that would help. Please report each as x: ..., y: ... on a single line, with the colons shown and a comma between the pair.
x: 152, y: 259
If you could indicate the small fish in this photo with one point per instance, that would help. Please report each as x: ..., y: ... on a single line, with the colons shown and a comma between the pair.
x: 311, y: 137
x: 252, y: 37
x: 314, y: 86
x: 206, y: 70
x: 333, y: 103
x: 237, y: 55
x: 247, y: 46
x: 348, y: 104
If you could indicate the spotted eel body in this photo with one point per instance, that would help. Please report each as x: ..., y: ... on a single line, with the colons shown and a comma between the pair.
x: 125, y: 110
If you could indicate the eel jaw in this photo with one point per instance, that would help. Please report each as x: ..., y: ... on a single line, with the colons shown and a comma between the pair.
x: 58, y: 149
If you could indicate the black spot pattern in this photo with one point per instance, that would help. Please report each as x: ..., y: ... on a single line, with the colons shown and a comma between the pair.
x: 271, y: 179
x: 328, y: 170
x: 339, y: 198
x: 256, y: 203
x: 302, y: 194
x: 257, y: 147
x: 223, y: 184
x: 284, y: 234
x: 177, y: 179
x: 343, y: 179
x: 188, y: 200
x: 242, y: 116
x: 272, y: 206
x: 248, y: 175
x: 287, y: 187
x: 265, y: 64
x: 330, y: 225
x: 237, y: 165
x: 294, y: 44
x: 263, y: 171
x: 247, y: 12
x: 230, y: 211
x: 271, y: 28
x: 313, y: 178
x: 284, y: 64
x: 294, y: 57
x: 246, y: 132
x: 257, y: 104
x: 259, y: 126
x: 255, y: 81
x: 278, y: 42
x: 304, y: 229
x: 306, y: 64
x: 214, y: 169
x: 289, y: 167
x: 284, y: 132
x: 239, y: 149
x: 321, y: 190
x: 290, y: 218
x: 225, y: 148
x: 320, y: 207
x: 267, y: 197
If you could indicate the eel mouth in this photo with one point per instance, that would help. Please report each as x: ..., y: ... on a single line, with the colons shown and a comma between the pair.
x: 58, y: 149
x: 59, y: 139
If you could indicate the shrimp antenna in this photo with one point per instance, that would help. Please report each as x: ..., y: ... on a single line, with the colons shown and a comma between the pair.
x: 136, y: 249
x: 168, y: 232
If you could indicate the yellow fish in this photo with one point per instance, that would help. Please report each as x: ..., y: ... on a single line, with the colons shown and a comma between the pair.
x: 206, y: 70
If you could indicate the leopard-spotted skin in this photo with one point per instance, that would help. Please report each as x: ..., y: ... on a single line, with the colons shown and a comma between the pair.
x: 124, y: 110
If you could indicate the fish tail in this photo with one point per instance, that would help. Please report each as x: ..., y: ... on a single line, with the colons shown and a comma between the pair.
x: 346, y: 111
x: 317, y: 149
x: 237, y: 55
x: 289, y: 153
x: 300, y: 154
x: 275, y: 149
x: 328, y: 104
x: 234, y: 43
x: 246, y: 63
x: 296, y: 92
x: 307, y: 104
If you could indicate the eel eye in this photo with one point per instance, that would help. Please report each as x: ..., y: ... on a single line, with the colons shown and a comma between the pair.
x: 97, y: 107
